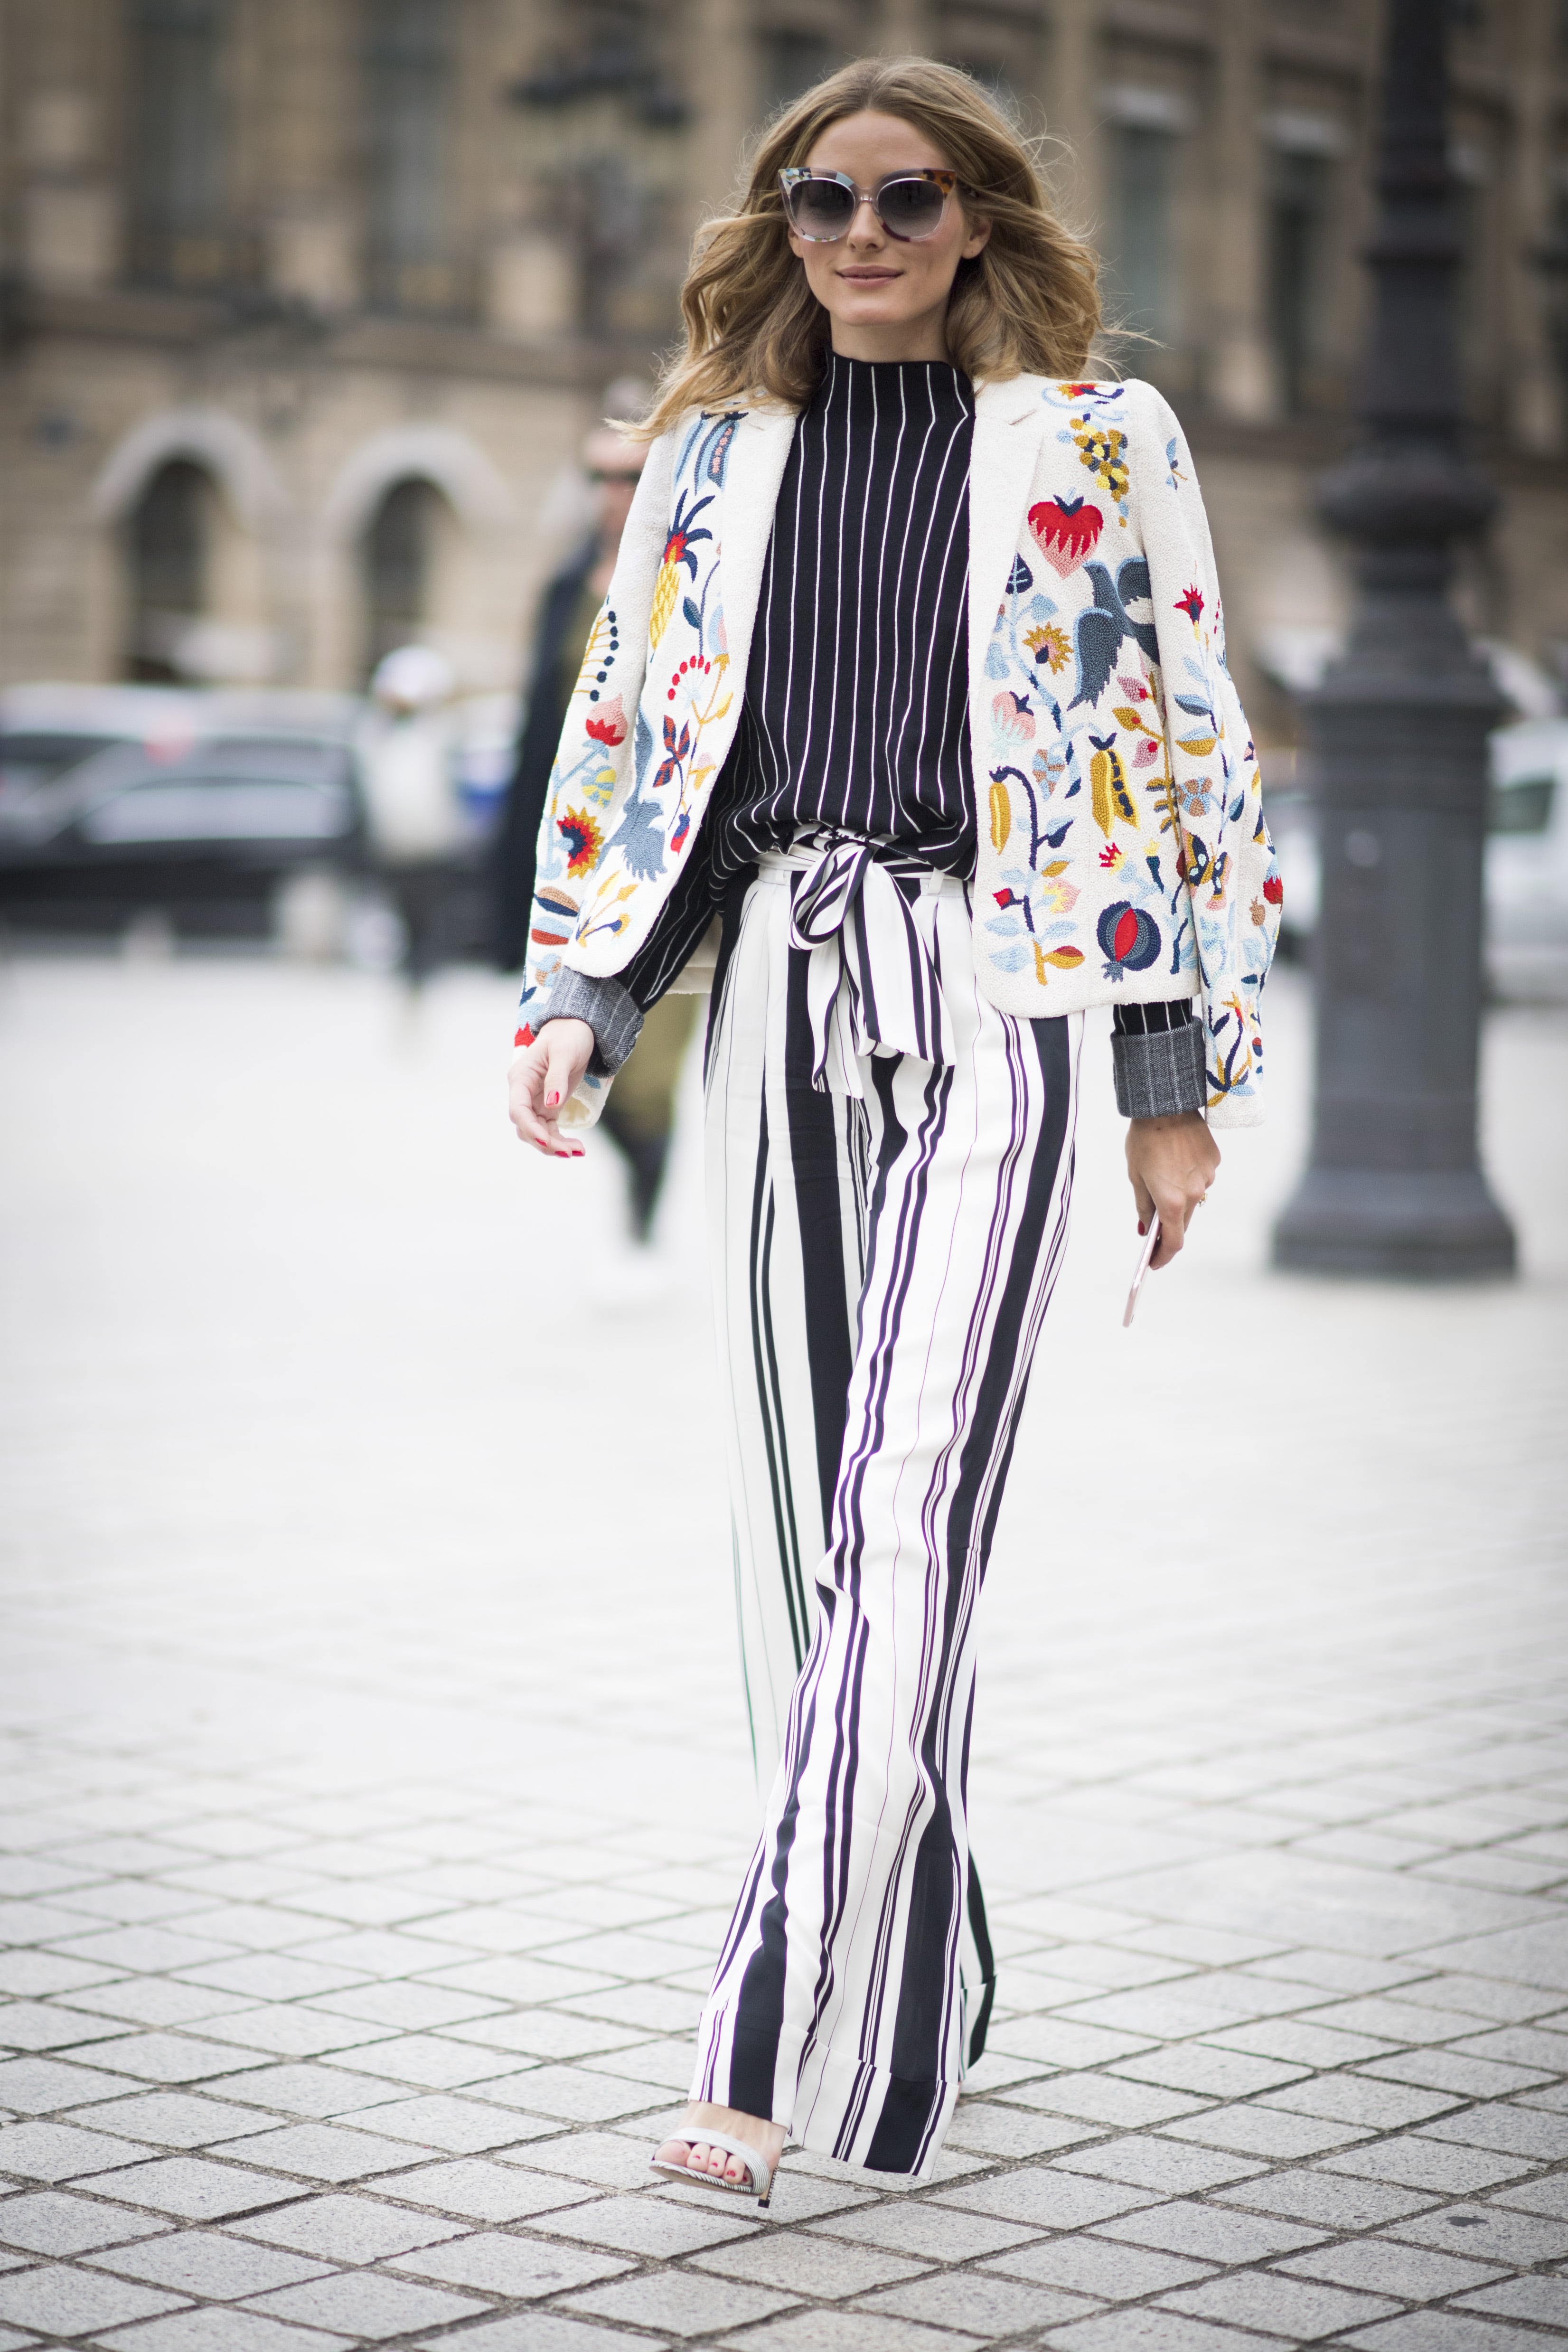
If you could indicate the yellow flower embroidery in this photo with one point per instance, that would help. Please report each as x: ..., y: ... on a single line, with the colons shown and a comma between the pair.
x: 1104, y: 452
x: 1050, y: 642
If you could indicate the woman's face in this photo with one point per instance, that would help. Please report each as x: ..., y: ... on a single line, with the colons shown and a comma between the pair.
x: 883, y: 293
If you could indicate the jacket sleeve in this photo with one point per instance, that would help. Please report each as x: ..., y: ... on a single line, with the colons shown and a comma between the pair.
x: 1224, y: 854
x: 1157, y: 1058
x: 594, y: 755
x: 595, y: 749
x: 514, y: 856
x: 614, y: 1009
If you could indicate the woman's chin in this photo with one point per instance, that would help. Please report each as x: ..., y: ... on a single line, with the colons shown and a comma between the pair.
x: 869, y: 310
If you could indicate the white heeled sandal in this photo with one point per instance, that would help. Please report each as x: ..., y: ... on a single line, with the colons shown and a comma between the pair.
x: 758, y: 2182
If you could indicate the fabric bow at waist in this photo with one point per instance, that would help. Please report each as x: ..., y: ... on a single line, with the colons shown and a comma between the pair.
x: 871, y: 985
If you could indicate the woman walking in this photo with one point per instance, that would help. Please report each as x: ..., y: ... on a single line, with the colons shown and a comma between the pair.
x: 912, y: 672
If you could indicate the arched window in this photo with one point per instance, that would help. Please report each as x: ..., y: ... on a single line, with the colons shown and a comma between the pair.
x: 169, y: 537
x: 399, y: 556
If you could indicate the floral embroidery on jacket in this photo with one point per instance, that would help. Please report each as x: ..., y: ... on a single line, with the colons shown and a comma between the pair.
x: 657, y: 820
x: 1149, y: 744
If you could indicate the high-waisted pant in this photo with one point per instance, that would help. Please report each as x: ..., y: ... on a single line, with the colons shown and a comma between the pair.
x: 884, y: 1248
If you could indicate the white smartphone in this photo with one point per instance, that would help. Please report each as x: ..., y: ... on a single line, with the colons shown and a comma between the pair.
x: 1150, y: 1246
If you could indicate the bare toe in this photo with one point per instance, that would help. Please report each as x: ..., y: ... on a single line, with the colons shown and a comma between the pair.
x: 692, y: 2151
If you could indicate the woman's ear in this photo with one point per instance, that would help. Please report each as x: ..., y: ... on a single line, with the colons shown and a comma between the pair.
x: 980, y: 237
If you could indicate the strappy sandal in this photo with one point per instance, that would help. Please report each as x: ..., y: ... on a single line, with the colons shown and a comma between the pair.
x: 758, y: 2182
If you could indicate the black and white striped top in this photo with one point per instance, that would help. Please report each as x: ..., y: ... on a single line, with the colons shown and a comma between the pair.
x: 857, y: 711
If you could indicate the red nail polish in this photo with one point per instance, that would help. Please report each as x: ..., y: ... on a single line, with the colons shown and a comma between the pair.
x: 1142, y: 1227
x: 550, y: 1101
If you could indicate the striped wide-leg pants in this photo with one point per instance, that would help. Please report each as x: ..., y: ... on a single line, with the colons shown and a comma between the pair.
x: 882, y: 1263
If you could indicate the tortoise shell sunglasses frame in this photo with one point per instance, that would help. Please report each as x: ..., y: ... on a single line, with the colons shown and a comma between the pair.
x: 900, y: 196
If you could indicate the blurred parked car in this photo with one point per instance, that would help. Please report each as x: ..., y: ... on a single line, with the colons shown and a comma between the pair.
x: 234, y: 813
x: 46, y: 730
x: 1527, y: 861
x: 121, y: 802
x: 1526, y: 880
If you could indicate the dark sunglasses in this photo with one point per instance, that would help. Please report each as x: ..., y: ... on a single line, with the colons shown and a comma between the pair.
x: 820, y: 205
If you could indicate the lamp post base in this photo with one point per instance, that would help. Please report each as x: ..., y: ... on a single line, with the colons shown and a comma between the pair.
x: 1416, y: 1224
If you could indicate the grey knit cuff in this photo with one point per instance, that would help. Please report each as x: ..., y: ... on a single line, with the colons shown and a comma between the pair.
x: 611, y: 1011
x: 1161, y: 1074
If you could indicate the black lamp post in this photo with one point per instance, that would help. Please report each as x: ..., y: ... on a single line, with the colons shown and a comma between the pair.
x: 1398, y: 731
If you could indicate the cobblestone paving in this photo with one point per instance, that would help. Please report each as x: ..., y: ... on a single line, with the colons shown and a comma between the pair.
x: 372, y: 1784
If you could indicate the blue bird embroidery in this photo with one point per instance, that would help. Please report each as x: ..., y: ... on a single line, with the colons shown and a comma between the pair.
x: 1102, y: 629
x: 640, y: 837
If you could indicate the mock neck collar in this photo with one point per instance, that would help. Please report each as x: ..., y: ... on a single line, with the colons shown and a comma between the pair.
x: 937, y: 380
x: 839, y: 362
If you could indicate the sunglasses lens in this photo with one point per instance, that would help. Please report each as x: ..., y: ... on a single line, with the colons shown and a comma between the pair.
x: 820, y: 208
x: 911, y: 207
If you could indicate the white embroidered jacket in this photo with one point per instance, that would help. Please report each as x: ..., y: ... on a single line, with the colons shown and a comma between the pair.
x: 1123, y: 852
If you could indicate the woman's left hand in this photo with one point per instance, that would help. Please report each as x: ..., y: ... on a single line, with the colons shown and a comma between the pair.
x: 1171, y: 1163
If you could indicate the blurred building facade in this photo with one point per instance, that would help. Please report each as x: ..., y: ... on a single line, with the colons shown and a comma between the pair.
x: 305, y: 304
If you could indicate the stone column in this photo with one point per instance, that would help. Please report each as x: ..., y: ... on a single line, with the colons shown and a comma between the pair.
x: 1242, y: 374
x: 531, y: 290
x: 720, y: 58
x: 309, y: 82
x: 70, y: 213
x: 1072, y: 110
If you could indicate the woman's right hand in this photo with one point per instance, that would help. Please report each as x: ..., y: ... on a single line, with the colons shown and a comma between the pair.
x: 543, y: 1077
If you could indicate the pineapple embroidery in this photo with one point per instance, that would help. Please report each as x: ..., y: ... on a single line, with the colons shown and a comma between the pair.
x: 677, y: 551
x: 1108, y: 791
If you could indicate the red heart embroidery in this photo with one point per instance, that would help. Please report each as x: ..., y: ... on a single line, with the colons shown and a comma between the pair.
x: 1065, y: 531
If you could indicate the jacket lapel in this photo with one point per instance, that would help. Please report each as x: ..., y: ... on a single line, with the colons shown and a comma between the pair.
x: 1009, y: 422
x: 756, y: 469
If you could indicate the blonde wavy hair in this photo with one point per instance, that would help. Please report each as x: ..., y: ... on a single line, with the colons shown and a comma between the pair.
x: 1027, y: 304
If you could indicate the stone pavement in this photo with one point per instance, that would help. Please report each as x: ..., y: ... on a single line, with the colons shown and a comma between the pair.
x: 371, y: 1770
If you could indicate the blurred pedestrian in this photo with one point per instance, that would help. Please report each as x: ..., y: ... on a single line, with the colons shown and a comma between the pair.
x: 640, y: 1120
x: 912, y: 664
x: 408, y: 747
